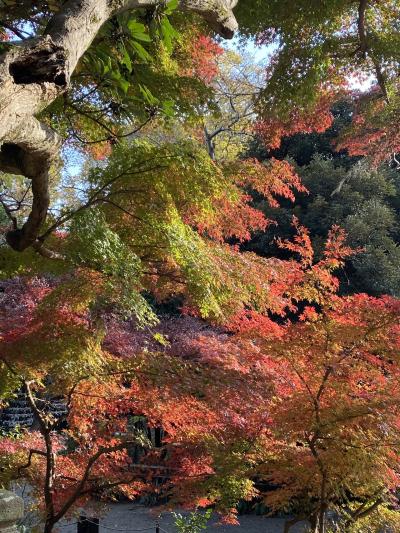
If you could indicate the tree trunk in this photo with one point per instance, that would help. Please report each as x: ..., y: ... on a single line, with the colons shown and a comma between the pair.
x: 45, y: 428
x: 35, y: 74
x: 322, y: 505
x: 209, y: 144
x: 48, y: 526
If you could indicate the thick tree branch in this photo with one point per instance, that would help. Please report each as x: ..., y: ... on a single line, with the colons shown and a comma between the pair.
x: 363, y: 511
x: 30, y: 150
x: 369, y: 510
x: 34, y: 74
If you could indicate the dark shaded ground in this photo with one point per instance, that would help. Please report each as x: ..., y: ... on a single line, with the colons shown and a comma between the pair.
x: 128, y: 517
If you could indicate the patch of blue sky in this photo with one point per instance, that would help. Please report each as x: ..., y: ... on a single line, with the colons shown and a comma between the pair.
x: 259, y: 53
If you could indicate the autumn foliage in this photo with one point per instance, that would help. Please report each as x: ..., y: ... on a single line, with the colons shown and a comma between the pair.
x: 271, y: 128
x: 203, y: 57
x: 235, y: 217
x: 190, y: 369
x: 295, y: 403
x: 372, y: 132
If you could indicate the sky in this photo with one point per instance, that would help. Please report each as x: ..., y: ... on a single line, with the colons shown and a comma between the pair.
x: 259, y: 53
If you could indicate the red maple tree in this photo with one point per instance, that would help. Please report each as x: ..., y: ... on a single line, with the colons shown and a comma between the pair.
x: 295, y: 403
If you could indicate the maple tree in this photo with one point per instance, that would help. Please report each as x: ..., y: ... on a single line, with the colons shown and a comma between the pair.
x: 320, y: 394
x: 177, y: 248
x: 334, y: 442
x: 106, y: 378
x: 372, y: 132
x: 324, y: 398
x: 272, y: 129
x: 287, y: 379
x: 130, y: 65
x: 346, y: 190
x: 322, y: 50
x: 71, y: 349
x: 295, y: 403
x: 236, y: 86
x: 335, y: 415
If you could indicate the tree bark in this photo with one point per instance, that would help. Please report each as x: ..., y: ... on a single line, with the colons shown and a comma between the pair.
x: 209, y: 143
x: 35, y: 74
x: 45, y: 428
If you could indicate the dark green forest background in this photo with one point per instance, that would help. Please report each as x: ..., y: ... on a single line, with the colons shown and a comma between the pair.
x: 343, y: 190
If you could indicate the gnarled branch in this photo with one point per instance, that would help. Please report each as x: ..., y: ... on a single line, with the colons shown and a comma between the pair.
x: 35, y: 73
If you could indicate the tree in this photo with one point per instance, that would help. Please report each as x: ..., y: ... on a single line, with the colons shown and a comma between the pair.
x: 59, y: 46
x: 371, y: 132
x: 344, y: 382
x: 64, y: 467
x: 352, y: 30
x: 336, y: 443
x: 302, y: 147
x: 343, y: 190
x: 236, y: 86
x: 108, y: 378
x: 151, y: 220
x: 320, y: 393
x: 108, y: 370
x: 236, y: 404
x: 176, y: 249
x: 330, y: 384
x: 29, y: 147
x: 319, y: 49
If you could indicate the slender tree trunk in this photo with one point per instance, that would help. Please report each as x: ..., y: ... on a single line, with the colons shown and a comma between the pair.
x: 322, y: 506
x: 45, y: 428
x: 48, y: 526
x: 313, y: 522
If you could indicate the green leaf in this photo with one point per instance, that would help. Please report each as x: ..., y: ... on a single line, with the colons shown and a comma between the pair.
x: 148, y: 96
x: 171, y: 7
x: 107, y: 67
x: 124, y: 84
x: 126, y: 60
x: 141, y: 52
x: 168, y: 33
x: 138, y: 31
x: 161, y: 339
x: 168, y: 107
x: 115, y: 75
